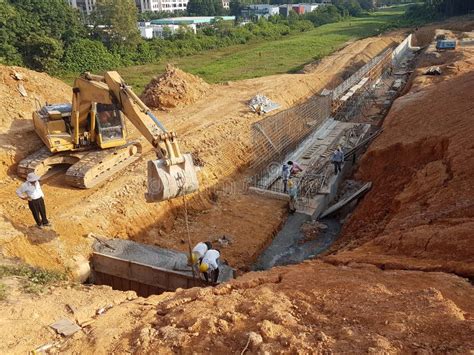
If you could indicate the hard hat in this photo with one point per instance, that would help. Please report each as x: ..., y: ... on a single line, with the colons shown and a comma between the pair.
x: 290, y: 183
x: 32, y: 177
x: 203, y: 267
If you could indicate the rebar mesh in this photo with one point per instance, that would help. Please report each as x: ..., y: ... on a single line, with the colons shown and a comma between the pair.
x: 275, y: 136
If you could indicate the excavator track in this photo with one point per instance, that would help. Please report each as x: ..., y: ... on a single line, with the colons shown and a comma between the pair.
x: 97, y: 166
x: 34, y: 163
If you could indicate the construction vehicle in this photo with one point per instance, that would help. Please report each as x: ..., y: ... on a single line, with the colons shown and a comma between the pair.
x: 90, y: 135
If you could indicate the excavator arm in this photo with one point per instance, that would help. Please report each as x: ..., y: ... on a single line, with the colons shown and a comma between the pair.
x: 172, y: 174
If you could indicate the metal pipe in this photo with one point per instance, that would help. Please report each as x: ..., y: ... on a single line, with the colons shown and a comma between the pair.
x: 93, y: 118
x: 76, y: 128
x: 144, y: 108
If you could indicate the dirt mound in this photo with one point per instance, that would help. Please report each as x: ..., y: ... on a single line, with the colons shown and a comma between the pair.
x: 38, y: 87
x: 308, y: 308
x: 173, y: 88
x: 420, y: 211
x: 21, y: 92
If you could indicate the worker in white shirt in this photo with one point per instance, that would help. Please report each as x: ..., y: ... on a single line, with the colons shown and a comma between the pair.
x: 209, y: 265
x: 198, y: 251
x: 31, y: 190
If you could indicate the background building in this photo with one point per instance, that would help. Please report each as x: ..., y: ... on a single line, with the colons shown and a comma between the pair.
x: 160, y: 27
x: 161, y: 5
x: 85, y: 6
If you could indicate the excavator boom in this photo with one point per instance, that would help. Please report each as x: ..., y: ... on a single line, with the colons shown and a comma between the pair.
x: 172, y: 174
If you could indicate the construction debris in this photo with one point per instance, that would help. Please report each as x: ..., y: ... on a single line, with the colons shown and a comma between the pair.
x: 17, y: 76
x: 103, y: 309
x: 435, y: 70
x: 224, y: 241
x: 262, y: 104
x: 65, y: 327
x: 22, y: 90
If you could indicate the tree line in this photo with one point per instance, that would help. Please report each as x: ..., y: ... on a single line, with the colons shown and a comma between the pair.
x: 438, y: 9
x: 49, y: 35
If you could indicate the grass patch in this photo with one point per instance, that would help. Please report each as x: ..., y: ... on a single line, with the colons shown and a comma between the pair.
x: 34, y: 279
x: 261, y: 58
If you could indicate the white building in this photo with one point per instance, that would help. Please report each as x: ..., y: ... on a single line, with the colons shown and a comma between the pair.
x: 162, y: 5
x: 85, y: 6
x: 149, y: 30
x: 260, y: 10
x: 310, y: 7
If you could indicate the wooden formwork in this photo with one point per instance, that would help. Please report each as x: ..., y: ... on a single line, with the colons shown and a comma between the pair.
x: 145, y: 280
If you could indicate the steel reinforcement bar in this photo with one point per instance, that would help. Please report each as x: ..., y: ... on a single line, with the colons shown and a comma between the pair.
x: 369, y: 69
x: 275, y: 136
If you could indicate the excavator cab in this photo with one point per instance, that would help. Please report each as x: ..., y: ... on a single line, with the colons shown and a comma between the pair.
x: 110, y: 126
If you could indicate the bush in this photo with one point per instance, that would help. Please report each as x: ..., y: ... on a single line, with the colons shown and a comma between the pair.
x: 323, y: 15
x: 43, y: 53
x: 87, y: 55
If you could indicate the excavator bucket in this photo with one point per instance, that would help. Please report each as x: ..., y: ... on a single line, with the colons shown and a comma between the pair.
x: 169, y: 181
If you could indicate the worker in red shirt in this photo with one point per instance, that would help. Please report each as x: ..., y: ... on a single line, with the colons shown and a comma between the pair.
x: 295, y: 168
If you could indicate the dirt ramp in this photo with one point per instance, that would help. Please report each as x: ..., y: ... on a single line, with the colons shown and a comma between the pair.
x: 173, y: 88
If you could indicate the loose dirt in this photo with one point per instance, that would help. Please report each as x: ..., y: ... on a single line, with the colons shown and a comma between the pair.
x: 173, y: 88
x: 313, y: 307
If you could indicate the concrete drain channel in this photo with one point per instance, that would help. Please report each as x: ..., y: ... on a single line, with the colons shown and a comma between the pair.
x: 359, y: 106
x: 126, y: 265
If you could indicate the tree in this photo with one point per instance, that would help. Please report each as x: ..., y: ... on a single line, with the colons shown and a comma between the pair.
x: 8, y: 52
x: 88, y: 55
x: 29, y: 34
x: 115, y: 23
x: 205, y: 8
x: 43, y: 53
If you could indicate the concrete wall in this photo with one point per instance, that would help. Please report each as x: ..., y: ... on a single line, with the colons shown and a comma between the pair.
x: 402, y: 50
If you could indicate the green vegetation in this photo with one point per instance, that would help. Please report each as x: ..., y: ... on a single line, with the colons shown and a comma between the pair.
x: 3, y: 292
x: 438, y: 9
x: 205, y: 8
x: 34, y: 279
x: 260, y: 58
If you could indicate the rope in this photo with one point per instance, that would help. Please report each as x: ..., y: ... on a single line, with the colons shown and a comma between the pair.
x: 188, y: 235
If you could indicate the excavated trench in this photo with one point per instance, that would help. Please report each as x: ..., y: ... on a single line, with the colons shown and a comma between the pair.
x: 304, y: 234
x: 127, y: 265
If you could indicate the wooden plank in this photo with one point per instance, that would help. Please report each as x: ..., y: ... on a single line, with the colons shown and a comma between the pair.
x: 345, y: 201
x: 126, y: 284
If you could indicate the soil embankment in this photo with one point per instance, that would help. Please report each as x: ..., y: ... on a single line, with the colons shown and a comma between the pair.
x: 420, y: 211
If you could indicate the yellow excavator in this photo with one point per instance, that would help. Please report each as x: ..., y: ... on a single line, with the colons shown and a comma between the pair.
x: 90, y: 135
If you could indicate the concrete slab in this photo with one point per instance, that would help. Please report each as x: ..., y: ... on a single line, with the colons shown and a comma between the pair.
x: 155, y: 256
